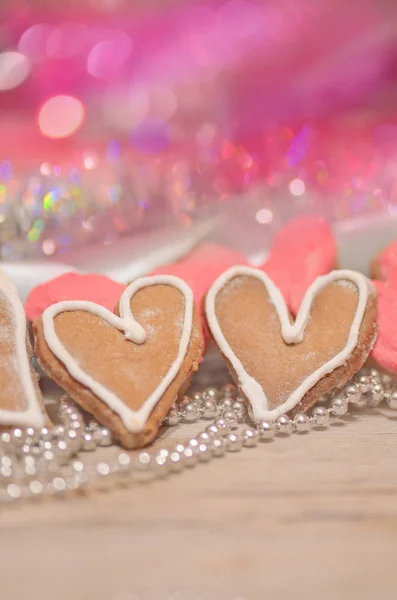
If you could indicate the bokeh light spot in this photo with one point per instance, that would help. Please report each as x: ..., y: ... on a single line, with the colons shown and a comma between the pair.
x: 107, y: 56
x: 14, y: 68
x: 45, y: 168
x: 60, y: 116
x: 264, y: 216
x: 33, y: 41
x: 151, y: 136
x: 49, y: 247
x: 90, y: 161
x: 297, y: 187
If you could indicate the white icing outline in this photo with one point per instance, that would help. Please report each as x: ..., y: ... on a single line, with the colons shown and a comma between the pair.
x: 33, y: 415
x: 134, y: 421
x: 291, y: 333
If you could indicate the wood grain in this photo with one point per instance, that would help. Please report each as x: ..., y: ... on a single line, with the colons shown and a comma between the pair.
x: 310, y: 516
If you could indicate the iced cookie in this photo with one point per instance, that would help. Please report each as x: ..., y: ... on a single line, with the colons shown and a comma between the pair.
x: 73, y: 286
x: 127, y: 369
x: 21, y: 403
x: 384, y: 264
x: 303, y: 249
x: 202, y: 266
x: 281, y: 365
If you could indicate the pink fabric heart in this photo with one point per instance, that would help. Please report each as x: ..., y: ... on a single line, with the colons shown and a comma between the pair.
x: 384, y: 351
x: 384, y: 266
x: 301, y: 251
x: 73, y: 286
x: 200, y: 267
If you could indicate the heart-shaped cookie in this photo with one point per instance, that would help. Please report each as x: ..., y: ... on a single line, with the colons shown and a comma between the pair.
x: 21, y: 403
x: 126, y: 369
x: 280, y: 365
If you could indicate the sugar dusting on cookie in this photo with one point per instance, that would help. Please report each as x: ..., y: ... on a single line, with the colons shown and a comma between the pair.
x: 20, y: 397
x: 126, y: 382
x: 282, y: 366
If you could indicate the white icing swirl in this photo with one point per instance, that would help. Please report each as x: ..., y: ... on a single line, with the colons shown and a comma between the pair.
x: 134, y: 421
x: 292, y: 333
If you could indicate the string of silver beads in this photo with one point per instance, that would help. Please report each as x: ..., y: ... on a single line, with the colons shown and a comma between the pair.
x: 34, y: 463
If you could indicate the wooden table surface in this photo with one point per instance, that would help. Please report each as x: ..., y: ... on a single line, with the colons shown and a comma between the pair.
x: 311, y: 516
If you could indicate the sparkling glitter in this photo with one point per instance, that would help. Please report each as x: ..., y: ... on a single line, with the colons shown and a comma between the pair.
x: 33, y: 235
x: 5, y: 170
x: 298, y: 148
x: 126, y: 188
x: 50, y: 199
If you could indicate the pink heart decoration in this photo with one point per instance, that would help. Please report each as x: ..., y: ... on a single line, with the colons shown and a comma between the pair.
x: 73, y: 286
x: 301, y: 251
x: 384, y: 351
x: 385, y: 264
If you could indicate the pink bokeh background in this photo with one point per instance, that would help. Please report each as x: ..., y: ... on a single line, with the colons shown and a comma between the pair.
x: 120, y: 116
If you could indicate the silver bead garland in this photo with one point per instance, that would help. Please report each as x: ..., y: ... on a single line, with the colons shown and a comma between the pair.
x: 34, y: 463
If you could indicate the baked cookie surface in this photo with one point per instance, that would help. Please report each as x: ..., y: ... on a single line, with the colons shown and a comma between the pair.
x: 126, y: 369
x: 281, y: 365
